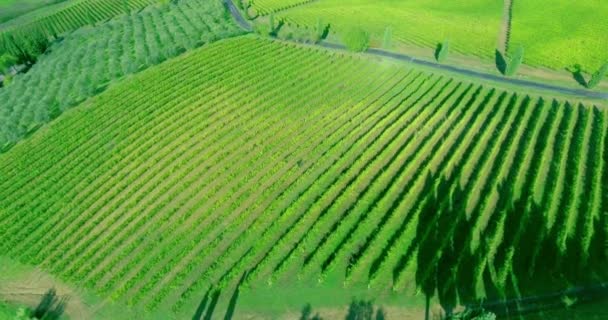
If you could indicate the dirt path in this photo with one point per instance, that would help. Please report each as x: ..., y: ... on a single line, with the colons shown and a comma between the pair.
x: 505, y: 31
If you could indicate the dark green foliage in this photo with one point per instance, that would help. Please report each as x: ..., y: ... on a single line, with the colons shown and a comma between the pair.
x: 7, y: 61
x: 360, y: 310
x: 321, y: 31
x: 470, y: 314
x: 387, y: 41
x: 597, y: 77
x: 50, y: 307
x: 442, y: 51
x: 501, y: 63
x: 275, y: 26
x: 356, y: 39
x: 515, y: 62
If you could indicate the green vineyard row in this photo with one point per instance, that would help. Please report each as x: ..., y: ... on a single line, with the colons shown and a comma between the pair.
x: 294, y: 164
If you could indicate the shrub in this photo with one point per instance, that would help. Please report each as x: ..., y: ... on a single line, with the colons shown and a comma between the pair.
x: 443, y: 49
x: 321, y: 31
x: 597, y: 77
x: 515, y: 62
x: 387, y: 41
x: 356, y: 40
x: 7, y: 61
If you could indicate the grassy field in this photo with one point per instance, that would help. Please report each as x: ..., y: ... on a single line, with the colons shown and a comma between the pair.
x: 555, y: 35
x: 10, y: 9
x: 85, y: 62
x: 56, y: 20
x: 562, y: 33
x: 298, y: 165
x: 472, y: 26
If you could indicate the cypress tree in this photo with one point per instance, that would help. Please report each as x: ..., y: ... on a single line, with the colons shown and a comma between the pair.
x: 597, y: 77
x: 515, y: 62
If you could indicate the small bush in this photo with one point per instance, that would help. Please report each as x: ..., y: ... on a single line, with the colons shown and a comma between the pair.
x: 443, y: 49
x: 321, y: 31
x: 597, y: 77
x: 356, y: 40
x: 515, y: 62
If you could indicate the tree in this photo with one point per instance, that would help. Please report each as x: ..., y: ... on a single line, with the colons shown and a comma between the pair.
x: 356, y: 40
x: 515, y: 62
x: 321, y: 31
x: 387, y: 41
x: 597, y: 77
x: 443, y: 49
x: 7, y: 61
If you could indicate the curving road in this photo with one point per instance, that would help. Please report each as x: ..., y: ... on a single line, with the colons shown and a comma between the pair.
x: 581, y: 93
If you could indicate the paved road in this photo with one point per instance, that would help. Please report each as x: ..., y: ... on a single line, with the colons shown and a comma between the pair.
x: 581, y: 93
x: 237, y: 15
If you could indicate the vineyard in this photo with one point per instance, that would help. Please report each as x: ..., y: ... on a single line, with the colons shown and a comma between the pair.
x: 61, y: 18
x: 290, y: 164
x: 85, y: 62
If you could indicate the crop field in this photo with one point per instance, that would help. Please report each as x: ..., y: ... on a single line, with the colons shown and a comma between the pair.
x: 291, y: 164
x: 85, y: 62
x: 62, y: 18
x: 563, y: 33
x: 9, y: 9
x: 471, y: 26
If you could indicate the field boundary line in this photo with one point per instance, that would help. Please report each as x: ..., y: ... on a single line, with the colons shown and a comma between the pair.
x: 580, y: 93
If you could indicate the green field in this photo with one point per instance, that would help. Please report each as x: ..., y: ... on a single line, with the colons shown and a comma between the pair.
x: 56, y: 20
x: 10, y: 9
x: 159, y: 161
x: 555, y: 35
x: 312, y: 167
x: 563, y: 33
x: 471, y: 26
x: 85, y: 62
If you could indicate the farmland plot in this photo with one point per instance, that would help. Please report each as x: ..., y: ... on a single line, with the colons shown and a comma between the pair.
x: 296, y: 164
x: 84, y: 63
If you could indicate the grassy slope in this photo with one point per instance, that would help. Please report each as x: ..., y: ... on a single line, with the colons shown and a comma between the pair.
x: 225, y: 159
x: 85, y: 62
x: 472, y: 26
x: 561, y: 33
x: 10, y: 9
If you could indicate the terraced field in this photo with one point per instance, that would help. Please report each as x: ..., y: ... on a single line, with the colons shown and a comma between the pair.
x: 64, y: 17
x: 309, y: 166
x: 10, y: 9
x: 84, y: 63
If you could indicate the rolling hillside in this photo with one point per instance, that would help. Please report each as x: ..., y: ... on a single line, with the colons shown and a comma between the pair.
x: 296, y: 164
x: 87, y: 61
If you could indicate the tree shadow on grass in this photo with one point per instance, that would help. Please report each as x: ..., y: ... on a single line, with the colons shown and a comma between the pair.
x: 577, y: 74
x: 50, y: 307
